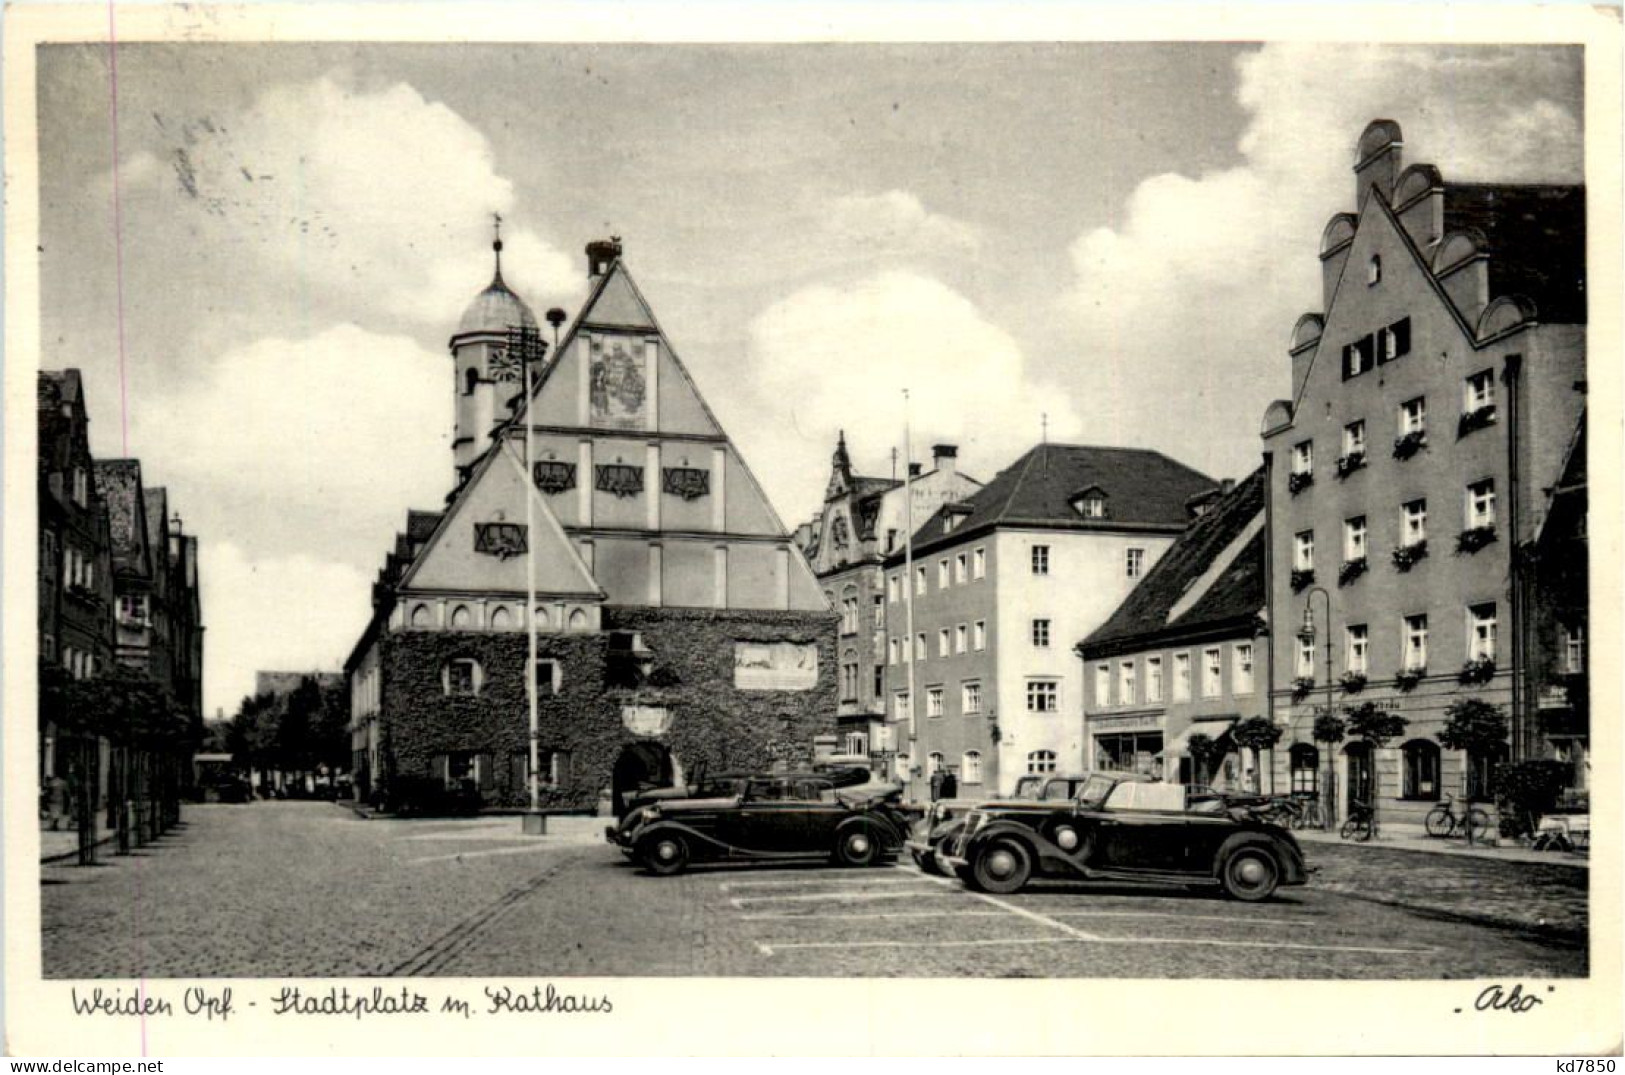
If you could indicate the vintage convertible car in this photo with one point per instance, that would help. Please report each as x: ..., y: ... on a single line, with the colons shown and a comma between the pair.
x: 945, y: 818
x: 1126, y: 827
x: 780, y: 817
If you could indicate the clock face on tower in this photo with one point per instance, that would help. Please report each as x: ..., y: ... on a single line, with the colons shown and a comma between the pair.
x: 504, y: 364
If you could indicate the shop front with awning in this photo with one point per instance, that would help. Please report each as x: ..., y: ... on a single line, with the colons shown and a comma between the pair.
x: 1222, y: 766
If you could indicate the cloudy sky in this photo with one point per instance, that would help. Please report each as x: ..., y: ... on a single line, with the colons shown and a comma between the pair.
x: 274, y: 243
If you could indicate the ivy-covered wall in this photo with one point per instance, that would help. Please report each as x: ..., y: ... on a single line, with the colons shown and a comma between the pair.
x: 691, y: 674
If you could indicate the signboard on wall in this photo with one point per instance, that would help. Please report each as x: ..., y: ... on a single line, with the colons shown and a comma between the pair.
x: 775, y: 666
x: 645, y: 719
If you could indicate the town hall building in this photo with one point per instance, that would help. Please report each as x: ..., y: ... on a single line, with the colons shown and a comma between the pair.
x: 678, y: 624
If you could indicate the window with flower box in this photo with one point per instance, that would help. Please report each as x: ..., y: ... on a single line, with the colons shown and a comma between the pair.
x: 1415, y: 657
x: 1356, y: 646
x: 1481, y: 632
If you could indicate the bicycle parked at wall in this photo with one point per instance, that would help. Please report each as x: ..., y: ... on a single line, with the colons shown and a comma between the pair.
x: 1361, y: 824
x: 1443, y: 821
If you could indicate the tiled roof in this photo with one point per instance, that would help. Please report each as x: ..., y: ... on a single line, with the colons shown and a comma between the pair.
x: 1536, y: 240
x: 1237, y: 593
x: 1143, y: 488
x: 118, y: 482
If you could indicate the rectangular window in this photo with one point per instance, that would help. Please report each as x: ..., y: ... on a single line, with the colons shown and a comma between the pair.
x: 880, y: 612
x: 1481, y: 503
x: 1153, y: 679
x: 943, y: 578
x: 959, y: 568
x: 933, y: 701
x: 1356, y: 644
x: 1416, y: 642
x: 1242, y: 668
x: 919, y: 646
x: 1040, y: 559
x: 961, y: 633
x: 1306, y: 659
x: 1125, y: 683
x: 978, y: 563
x: 880, y: 680
x: 979, y: 635
x: 1354, y: 538
x: 1303, y: 551
x: 1303, y: 457
x: 891, y: 651
x: 1043, y: 696
x: 1135, y: 564
x: 1478, y: 391
x: 919, y: 581
x: 1041, y: 634
x: 1414, y: 526
x: 1574, y: 648
x: 1354, y: 438
x: 1481, y: 632
x: 1103, y: 686
x: 1212, y: 673
x: 549, y: 677
x: 970, y: 698
x: 900, y: 707
x: 1182, y: 677
x: 893, y: 588
x: 1413, y: 416
x: 943, y: 648
x: 460, y: 677
x: 81, y: 487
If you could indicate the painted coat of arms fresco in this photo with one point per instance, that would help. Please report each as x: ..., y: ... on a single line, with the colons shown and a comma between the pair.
x: 617, y: 391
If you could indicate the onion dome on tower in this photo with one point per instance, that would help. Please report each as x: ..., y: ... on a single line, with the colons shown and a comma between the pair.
x: 496, y: 309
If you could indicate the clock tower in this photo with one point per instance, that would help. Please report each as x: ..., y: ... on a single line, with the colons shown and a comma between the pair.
x: 488, y: 369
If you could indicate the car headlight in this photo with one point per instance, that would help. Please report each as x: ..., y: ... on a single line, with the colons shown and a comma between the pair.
x: 1066, y: 838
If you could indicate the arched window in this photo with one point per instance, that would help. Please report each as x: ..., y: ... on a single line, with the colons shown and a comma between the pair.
x: 933, y: 763
x: 471, y: 381
x: 1373, y: 270
x: 540, y: 615
x: 501, y: 619
x: 1041, y: 761
x: 971, y: 767
x: 1421, y: 780
x: 1305, y: 768
x: 420, y: 616
x: 578, y: 620
x: 461, y: 616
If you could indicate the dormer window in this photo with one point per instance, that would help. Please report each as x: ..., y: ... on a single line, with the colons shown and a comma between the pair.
x: 1091, y: 503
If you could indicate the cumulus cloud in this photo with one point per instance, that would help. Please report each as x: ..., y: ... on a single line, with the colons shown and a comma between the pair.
x: 1189, y: 299
x: 294, y: 613
x: 896, y: 222
x: 319, y: 443
x: 372, y: 198
x: 830, y: 357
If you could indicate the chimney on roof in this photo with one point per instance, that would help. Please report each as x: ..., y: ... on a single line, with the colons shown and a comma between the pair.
x: 601, y: 254
x: 945, y: 458
x: 914, y: 470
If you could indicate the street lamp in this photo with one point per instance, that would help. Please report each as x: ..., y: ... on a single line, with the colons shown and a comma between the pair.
x: 1306, y: 634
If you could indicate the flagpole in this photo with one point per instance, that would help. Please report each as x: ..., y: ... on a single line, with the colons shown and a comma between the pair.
x: 908, y: 579
x: 530, y: 585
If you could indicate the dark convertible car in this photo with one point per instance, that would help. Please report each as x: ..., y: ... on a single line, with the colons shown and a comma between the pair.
x: 1127, y: 827
x: 783, y: 817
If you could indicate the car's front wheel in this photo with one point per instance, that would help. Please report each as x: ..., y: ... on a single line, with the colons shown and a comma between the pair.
x: 664, y: 854
x: 856, y: 847
x: 1002, y: 866
x: 927, y: 862
x: 1250, y: 874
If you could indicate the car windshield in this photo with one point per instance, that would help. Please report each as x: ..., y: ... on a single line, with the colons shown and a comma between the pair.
x: 1028, y: 786
x: 1094, y: 792
x: 1059, y: 788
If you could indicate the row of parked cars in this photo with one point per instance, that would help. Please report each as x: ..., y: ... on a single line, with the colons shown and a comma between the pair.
x: 1089, y: 827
